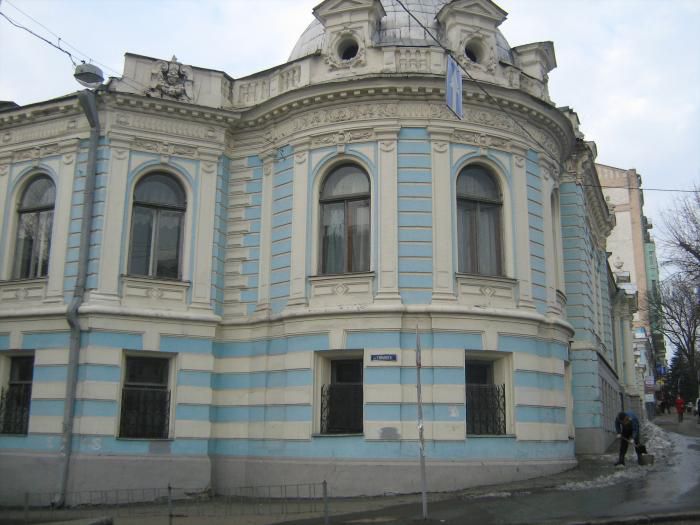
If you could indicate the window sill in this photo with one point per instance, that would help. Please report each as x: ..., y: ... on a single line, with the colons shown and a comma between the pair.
x: 22, y: 290
x: 318, y: 435
x: 341, y: 289
x: 161, y: 294
x: 486, y: 290
x: 499, y: 436
x: 119, y: 438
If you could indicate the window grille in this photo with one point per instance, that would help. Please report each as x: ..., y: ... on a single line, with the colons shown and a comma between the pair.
x: 486, y: 409
x: 145, y: 410
x: 341, y: 409
x: 16, y: 398
x: 14, y: 408
x: 145, y: 413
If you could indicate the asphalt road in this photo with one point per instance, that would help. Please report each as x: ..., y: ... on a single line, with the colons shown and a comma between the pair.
x: 668, y: 492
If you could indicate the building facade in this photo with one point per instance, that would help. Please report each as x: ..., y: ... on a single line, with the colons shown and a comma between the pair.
x: 218, y: 282
x: 633, y: 258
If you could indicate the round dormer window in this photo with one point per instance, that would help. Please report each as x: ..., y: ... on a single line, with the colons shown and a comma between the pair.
x: 473, y: 52
x: 348, y: 49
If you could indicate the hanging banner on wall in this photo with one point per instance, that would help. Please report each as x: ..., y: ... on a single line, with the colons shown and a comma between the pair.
x: 453, y: 87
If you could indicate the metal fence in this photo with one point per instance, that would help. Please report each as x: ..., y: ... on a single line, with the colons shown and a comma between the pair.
x: 174, y: 503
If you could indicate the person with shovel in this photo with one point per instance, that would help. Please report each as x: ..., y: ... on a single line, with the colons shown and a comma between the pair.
x: 627, y: 428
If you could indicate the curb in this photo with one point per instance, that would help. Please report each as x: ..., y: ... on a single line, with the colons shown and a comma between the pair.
x: 672, y: 517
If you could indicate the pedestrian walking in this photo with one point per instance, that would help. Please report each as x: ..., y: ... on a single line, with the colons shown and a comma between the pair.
x: 627, y: 428
x: 680, y: 408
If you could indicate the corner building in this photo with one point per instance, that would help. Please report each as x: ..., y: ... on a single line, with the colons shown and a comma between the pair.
x: 264, y: 250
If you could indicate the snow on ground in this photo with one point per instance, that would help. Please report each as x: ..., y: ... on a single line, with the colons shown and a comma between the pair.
x: 658, y: 443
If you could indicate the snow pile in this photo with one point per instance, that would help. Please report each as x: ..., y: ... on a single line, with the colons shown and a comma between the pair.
x: 494, y: 495
x: 657, y: 442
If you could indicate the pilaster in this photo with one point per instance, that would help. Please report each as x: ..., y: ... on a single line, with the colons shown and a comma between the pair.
x: 113, y: 253
x: 263, y: 305
x: 204, y: 226
x: 521, y: 228
x: 69, y: 151
x: 443, y: 259
x: 387, y: 209
x: 299, y: 256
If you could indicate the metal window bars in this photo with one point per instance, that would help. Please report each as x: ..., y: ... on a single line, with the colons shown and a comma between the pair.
x: 145, y: 413
x: 14, y: 408
x: 341, y: 409
x: 486, y: 409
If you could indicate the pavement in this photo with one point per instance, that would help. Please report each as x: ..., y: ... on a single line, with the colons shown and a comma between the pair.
x: 593, y: 493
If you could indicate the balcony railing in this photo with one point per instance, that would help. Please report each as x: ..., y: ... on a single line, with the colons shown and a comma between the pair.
x: 341, y: 409
x: 14, y: 408
x: 145, y: 413
x: 486, y: 409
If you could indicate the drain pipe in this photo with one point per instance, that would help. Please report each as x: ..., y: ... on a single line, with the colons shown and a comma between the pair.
x: 88, y: 102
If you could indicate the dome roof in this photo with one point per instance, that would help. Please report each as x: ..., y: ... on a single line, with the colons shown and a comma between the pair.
x: 397, y: 28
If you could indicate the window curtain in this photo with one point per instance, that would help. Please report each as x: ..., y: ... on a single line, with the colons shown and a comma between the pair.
x: 359, y: 236
x: 333, y: 228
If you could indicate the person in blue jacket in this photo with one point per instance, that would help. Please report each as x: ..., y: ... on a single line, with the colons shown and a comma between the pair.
x: 627, y: 428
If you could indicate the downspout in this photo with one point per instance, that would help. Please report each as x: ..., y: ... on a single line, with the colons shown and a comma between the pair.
x: 88, y: 102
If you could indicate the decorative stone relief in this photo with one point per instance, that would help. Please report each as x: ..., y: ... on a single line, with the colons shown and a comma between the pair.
x: 168, y: 127
x: 289, y: 78
x: 164, y: 148
x: 171, y: 80
x: 409, y: 60
x: 300, y: 157
x: 36, y: 152
x: 4, y: 169
x: 342, y: 137
x: 440, y: 147
x: 253, y: 92
x: 387, y: 145
x: 408, y: 110
x: 480, y: 139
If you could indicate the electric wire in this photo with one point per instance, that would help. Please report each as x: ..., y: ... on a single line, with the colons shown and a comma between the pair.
x: 39, y: 37
x: 476, y: 83
x: 283, y: 157
x: 132, y: 83
x: 505, y: 112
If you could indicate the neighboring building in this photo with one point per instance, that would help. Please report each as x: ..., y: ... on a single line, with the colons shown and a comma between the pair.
x: 262, y: 252
x: 633, y: 258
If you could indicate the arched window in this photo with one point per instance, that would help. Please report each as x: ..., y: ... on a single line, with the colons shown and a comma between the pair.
x: 345, y: 221
x: 156, y: 227
x: 479, y: 232
x: 35, y: 219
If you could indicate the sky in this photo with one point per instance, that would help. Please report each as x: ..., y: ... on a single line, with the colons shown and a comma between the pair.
x: 629, y: 68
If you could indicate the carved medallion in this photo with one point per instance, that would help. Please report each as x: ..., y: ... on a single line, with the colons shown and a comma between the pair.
x: 171, y: 80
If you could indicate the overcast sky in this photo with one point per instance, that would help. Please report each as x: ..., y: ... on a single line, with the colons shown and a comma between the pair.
x: 629, y: 68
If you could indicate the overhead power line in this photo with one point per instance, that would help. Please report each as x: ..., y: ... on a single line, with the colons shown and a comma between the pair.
x: 134, y: 84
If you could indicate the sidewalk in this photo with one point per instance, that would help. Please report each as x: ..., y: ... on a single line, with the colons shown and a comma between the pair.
x: 593, y: 472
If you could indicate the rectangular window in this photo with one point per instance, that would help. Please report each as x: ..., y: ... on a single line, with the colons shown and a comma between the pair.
x: 145, y: 410
x: 485, y: 399
x: 342, y: 397
x: 15, y: 399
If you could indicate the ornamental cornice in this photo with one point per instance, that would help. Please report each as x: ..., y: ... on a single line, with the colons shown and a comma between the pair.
x: 303, y: 122
x: 27, y: 129
x: 171, y: 127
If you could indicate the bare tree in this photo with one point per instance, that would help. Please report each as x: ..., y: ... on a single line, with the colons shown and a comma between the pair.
x: 676, y: 304
x: 681, y: 236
